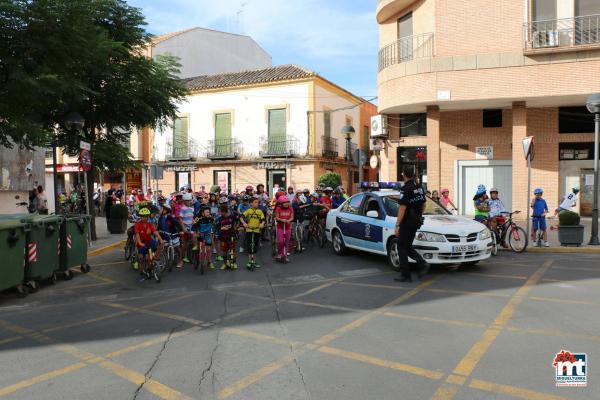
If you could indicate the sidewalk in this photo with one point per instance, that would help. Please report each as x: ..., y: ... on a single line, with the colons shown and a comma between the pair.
x: 555, y: 246
x: 105, y: 240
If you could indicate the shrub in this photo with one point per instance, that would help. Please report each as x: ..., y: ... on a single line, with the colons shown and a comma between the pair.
x: 332, y: 179
x: 215, y: 189
x: 119, y: 211
x: 568, y: 218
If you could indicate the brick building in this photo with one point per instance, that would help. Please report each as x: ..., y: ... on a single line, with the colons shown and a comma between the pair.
x: 278, y: 126
x: 461, y: 83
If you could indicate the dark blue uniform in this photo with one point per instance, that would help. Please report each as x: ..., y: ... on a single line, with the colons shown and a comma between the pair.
x: 413, y: 197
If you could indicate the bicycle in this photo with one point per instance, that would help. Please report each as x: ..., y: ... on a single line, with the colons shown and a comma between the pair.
x: 150, y: 268
x: 539, y: 233
x: 202, y: 259
x: 517, y: 238
x: 231, y: 255
x: 298, y: 236
x: 170, y: 253
x: 316, y: 230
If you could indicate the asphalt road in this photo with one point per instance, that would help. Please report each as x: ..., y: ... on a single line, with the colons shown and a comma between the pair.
x: 321, y: 327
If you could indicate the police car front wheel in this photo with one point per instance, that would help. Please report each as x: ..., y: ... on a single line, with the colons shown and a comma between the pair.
x: 393, y: 256
x: 339, y: 247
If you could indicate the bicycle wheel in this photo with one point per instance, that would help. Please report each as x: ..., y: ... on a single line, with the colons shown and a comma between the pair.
x: 156, y: 271
x: 273, y: 243
x: 517, y: 239
x: 170, y: 258
x: 495, y: 242
x: 128, y: 249
x: 321, y: 238
x: 298, y: 238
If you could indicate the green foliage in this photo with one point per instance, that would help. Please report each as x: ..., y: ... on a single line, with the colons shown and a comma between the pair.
x: 119, y: 211
x: 332, y: 179
x: 568, y: 218
x: 215, y: 189
x: 63, y: 56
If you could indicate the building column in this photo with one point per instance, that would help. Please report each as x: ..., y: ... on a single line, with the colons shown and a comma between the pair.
x: 519, y: 164
x: 433, y: 148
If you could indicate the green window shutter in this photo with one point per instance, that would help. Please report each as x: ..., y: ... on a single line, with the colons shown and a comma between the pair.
x: 223, y: 134
x: 180, y: 137
x: 277, y: 131
x: 327, y: 123
x: 366, y: 138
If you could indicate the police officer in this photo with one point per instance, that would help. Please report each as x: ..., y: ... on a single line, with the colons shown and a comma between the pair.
x: 409, y: 220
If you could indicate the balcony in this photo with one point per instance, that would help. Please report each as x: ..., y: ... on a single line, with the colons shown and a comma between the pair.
x: 567, y: 34
x: 224, y: 149
x: 406, y: 49
x: 284, y: 146
x: 181, y: 151
x: 330, y: 147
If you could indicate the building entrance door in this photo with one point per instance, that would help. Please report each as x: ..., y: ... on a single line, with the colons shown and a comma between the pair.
x: 491, y: 173
x: 415, y: 157
x: 276, y: 178
x: 586, y: 195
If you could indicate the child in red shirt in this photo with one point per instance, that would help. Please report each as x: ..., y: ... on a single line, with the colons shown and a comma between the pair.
x: 284, y: 215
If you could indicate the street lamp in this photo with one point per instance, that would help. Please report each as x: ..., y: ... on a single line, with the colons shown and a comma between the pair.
x: 593, y: 106
x: 348, y: 131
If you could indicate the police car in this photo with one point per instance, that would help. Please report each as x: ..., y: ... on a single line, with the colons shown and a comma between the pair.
x: 367, y: 220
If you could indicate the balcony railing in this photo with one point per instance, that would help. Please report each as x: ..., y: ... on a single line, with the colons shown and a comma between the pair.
x: 223, y: 149
x: 330, y: 147
x: 406, y: 49
x: 562, y: 34
x: 181, y: 150
x: 278, y: 146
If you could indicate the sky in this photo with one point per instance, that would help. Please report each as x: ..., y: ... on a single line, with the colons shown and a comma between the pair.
x: 338, y: 39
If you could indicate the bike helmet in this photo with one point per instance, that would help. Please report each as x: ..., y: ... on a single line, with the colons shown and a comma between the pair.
x: 143, y: 212
x: 480, y: 190
x: 315, y: 195
x: 306, y: 191
x: 444, y: 191
x: 494, y: 190
x: 538, y: 191
x: 328, y: 189
x: 167, y: 208
x: 187, y: 196
x: 279, y: 194
x: 283, y: 199
x: 249, y: 187
x: 245, y: 197
x: 575, y: 190
x: 223, y: 200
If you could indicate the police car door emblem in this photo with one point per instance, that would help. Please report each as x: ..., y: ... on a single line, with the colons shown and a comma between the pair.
x: 367, y: 230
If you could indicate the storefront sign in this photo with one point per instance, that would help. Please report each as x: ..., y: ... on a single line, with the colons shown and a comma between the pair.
x: 273, y: 165
x: 181, y: 168
x: 85, y: 159
x: 65, y: 168
x: 223, y: 180
x: 374, y: 161
x: 484, y: 153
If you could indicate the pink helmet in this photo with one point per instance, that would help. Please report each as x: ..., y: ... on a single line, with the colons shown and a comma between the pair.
x: 445, y: 191
x: 282, y: 200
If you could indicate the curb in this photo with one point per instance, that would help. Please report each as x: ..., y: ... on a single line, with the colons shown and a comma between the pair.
x: 106, y: 249
x: 567, y: 250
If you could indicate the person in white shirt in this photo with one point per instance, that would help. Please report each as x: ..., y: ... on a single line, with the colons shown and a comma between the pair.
x: 291, y: 194
x: 568, y: 202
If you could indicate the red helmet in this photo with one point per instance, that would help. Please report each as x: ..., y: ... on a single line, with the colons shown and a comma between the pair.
x: 278, y: 194
x: 249, y: 187
x: 282, y: 200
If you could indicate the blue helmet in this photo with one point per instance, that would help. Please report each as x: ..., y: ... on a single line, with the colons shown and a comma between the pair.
x: 480, y: 190
x: 538, y: 191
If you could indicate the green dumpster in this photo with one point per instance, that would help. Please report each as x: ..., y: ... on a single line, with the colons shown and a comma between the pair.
x: 12, y: 248
x: 74, y: 244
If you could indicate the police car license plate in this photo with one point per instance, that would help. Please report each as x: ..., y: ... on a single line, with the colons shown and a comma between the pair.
x: 463, y: 248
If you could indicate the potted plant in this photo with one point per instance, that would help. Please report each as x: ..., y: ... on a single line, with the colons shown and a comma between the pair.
x: 570, y: 231
x: 117, y: 223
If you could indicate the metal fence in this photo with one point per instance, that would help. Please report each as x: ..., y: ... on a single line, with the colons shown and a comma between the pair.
x: 223, y: 149
x: 562, y: 33
x: 278, y: 146
x: 406, y: 49
x: 330, y: 147
x: 181, y: 150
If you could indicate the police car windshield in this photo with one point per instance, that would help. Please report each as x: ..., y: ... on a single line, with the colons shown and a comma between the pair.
x: 391, y: 204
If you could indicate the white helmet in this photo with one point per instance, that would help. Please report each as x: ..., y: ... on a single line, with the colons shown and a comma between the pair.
x: 187, y: 196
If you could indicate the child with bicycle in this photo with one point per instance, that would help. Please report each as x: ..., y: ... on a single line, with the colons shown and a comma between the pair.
x: 147, y: 238
x: 284, y: 215
x: 170, y: 228
x: 203, y: 231
x: 253, y: 221
x: 540, y: 209
x: 225, y: 228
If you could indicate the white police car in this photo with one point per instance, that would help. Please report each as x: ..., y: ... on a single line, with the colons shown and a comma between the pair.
x: 366, y: 221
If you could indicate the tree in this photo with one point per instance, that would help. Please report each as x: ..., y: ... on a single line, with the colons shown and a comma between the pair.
x: 331, y: 179
x: 83, y: 56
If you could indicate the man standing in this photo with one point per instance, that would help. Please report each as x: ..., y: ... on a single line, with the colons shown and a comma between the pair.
x: 409, y: 220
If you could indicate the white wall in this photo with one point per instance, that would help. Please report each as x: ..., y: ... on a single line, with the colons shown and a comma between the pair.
x: 327, y: 99
x: 249, y: 115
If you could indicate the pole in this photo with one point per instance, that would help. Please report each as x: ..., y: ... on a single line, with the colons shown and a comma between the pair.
x: 594, y: 237
x: 348, y: 160
x: 528, y: 191
x: 361, y: 171
x: 57, y: 209
x: 87, y: 203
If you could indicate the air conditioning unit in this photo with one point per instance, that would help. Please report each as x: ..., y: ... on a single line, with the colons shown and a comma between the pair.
x: 379, y: 126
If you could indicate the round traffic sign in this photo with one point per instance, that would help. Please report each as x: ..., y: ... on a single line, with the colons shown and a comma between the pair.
x: 374, y: 161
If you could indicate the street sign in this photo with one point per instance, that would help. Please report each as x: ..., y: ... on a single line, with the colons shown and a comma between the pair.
x: 528, y: 148
x: 85, y: 160
x: 84, y: 145
x: 359, y: 157
x: 156, y: 172
x: 374, y: 162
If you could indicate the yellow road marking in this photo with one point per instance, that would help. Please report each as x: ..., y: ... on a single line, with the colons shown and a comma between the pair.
x: 152, y: 342
x: 577, y: 269
x: 553, y: 333
x: 100, y: 277
x: 327, y: 306
x: 373, y: 285
x: 83, y: 286
x: 426, y: 373
x: 512, y: 391
x: 564, y: 301
x: 41, y: 378
x: 10, y: 340
x: 518, y: 277
x: 457, y: 380
x: 468, y: 363
x: 156, y: 313
x: 106, y: 249
x: 260, y: 337
x: 84, y: 322
x: 467, y: 292
x: 435, y: 320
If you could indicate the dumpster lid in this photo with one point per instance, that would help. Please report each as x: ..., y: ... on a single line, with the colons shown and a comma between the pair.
x: 10, y: 224
x: 46, y: 219
x: 25, y: 218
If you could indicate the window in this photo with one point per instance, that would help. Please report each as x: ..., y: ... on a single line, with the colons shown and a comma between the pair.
x: 543, y: 10
x: 413, y: 125
x: 433, y: 208
x: 180, y: 136
x: 366, y: 136
x: 405, y: 26
x: 575, y: 120
x: 352, y: 206
x: 372, y: 205
x: 587, y: 7
x: 576, y: 151
x: 222, y: 145
x: 327, y: 123
x: 277, y: 124
x: 492, y: 118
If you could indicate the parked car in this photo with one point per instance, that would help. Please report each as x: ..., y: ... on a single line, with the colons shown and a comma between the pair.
x: 366, y: 221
